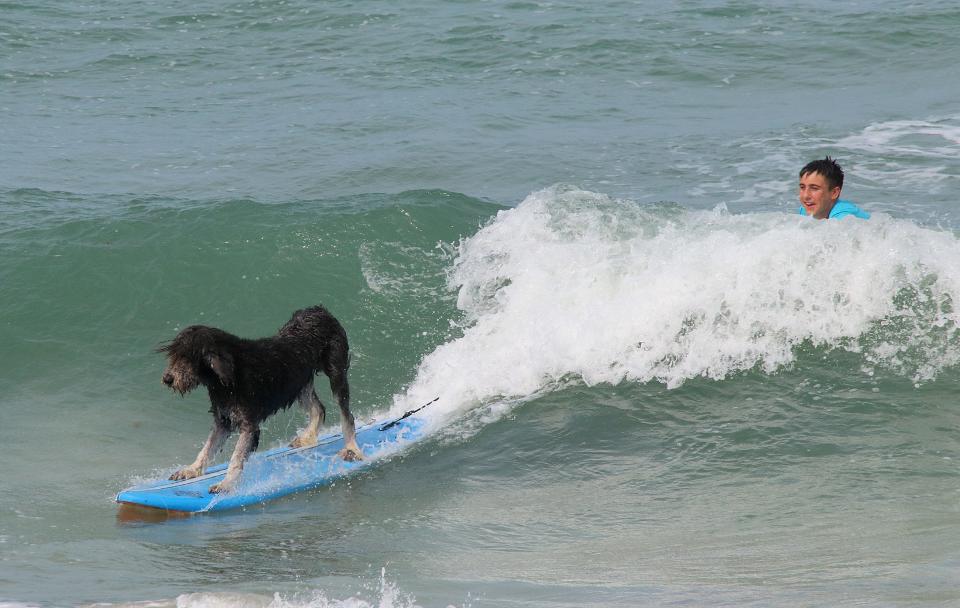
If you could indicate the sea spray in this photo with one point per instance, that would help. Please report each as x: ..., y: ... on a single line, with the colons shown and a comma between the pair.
x: 386, y: 595
x: 577, y: 284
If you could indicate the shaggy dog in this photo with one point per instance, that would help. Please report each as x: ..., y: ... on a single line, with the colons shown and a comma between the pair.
x: 250, y: 380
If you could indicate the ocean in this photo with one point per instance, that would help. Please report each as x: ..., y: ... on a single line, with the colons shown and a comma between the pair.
x: 574, y: 223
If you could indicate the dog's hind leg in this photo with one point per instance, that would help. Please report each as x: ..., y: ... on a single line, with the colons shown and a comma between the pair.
x: 314, y: 407
x: 210, y: 449
x: 246, y: 444
x: 341, y: 392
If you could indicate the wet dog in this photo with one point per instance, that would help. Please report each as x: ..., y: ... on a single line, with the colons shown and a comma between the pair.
x: 250, y: 380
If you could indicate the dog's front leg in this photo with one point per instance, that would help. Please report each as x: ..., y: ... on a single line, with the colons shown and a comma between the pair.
x: 246, y: 444
x: 214, y: 442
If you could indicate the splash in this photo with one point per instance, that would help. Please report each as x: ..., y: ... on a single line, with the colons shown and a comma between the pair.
x: 387, y: 595
x: 576, y: 285
x: 382, y: 594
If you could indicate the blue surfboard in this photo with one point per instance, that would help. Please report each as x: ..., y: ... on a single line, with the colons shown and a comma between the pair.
x: 278, y: 472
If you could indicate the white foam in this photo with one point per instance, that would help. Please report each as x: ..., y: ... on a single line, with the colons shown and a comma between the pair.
x: 392, y: 268
x: 382, y: 594
x: 573, y: 284
x: 940, y: 138
x: 906, y: 152
x: 387, y: 595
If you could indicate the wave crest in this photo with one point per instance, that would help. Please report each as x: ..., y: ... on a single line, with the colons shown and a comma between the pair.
x: 576, y: 284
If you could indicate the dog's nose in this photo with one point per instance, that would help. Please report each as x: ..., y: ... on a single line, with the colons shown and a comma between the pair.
x: 168, y: 379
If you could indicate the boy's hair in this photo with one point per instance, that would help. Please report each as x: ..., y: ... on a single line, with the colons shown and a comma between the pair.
x: 828, y: 168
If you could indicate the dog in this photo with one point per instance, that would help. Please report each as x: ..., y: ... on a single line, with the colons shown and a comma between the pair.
x: 250, y: 380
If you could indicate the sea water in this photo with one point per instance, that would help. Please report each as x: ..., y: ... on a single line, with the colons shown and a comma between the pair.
x: 574, y: 223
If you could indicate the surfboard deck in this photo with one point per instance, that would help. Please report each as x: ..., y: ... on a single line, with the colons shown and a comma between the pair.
x: 278, y: 472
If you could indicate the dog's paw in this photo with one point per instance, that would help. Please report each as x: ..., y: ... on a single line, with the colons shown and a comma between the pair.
x: 303, y: 442
x: 221, y: 488
x: 351, y: 454
x: 185, y: 473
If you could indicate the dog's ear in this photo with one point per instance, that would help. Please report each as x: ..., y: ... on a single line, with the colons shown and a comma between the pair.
x: 222, y: 366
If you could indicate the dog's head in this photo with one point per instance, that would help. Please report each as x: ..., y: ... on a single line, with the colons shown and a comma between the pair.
x: 198, y: 355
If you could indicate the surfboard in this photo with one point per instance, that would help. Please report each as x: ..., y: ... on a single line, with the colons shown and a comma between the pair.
x: 278, y: 472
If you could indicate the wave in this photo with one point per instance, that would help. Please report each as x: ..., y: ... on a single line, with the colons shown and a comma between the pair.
x: 111, y: 276
x: 383, y: 594
x: 576, y: 286
x: 449, y: 295
x: 915, y: 153
x: 932, y: 139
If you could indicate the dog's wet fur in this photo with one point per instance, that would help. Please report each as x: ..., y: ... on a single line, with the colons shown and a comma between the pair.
x: 250, y: 380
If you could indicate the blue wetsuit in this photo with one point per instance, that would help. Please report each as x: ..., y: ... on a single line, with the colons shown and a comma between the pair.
x: 842, y: 209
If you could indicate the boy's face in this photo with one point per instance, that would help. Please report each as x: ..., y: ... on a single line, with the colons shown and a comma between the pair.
x: 816, y: 195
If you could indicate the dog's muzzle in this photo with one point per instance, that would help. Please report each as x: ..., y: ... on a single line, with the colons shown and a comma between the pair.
x: 168, y: 379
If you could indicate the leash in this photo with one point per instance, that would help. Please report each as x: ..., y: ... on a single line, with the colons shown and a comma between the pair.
x: 406, y: 415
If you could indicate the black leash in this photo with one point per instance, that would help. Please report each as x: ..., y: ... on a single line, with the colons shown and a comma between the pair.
x: 394, y: 423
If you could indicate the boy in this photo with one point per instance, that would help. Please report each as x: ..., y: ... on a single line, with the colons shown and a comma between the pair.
x: 820, y: 185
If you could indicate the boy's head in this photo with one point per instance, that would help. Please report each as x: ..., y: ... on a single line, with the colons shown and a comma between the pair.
x: 820, y: 185
x: 828, y: 168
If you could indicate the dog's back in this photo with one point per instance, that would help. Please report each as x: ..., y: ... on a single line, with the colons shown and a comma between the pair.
x: 319, y: 331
